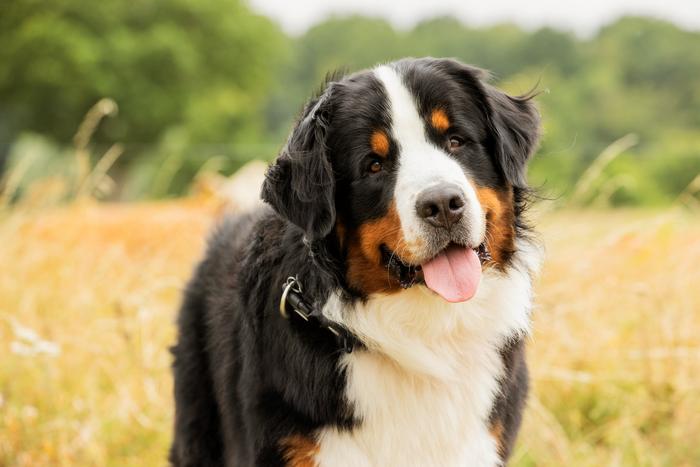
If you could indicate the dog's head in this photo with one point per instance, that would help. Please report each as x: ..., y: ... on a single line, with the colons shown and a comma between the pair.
x: 412, y: 169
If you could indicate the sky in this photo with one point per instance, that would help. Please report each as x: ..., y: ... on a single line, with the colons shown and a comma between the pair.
x: 582, y: 17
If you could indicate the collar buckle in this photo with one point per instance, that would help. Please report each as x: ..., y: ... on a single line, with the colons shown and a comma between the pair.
x: 291, y: 285
x: 292, y: 298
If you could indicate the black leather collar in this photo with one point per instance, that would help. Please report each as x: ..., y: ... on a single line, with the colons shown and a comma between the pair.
x: 293, y: 300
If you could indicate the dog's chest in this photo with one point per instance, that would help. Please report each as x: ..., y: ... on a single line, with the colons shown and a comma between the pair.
x: 424, y: 390
x: 412, y: 420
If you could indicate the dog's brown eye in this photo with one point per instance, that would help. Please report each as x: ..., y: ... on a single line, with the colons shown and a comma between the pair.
x: 375, y: 167
x: 456, y: 142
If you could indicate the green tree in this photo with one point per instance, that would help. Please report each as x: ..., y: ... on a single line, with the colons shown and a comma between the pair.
x: 203, y: 65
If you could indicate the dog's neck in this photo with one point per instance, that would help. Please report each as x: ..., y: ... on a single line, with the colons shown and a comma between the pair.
x: 424, y: 334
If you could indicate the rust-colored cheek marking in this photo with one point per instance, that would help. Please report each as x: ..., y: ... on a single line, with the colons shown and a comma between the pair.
x: 340, y: 233
x: 439, y: 120
x: 500, y: 222
x: 365, y: 269
x: 497, y: 434
x: 379, y: 142
x: 299, y: 451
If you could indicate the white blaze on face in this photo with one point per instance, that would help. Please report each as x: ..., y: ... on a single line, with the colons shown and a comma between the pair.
x: 421, y: 164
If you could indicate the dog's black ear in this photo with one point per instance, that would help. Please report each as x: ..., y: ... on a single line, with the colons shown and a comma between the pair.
x: 300, y: 184
x: 515, y: 123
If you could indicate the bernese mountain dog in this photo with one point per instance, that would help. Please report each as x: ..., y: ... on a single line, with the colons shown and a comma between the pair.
x: 374, y: 311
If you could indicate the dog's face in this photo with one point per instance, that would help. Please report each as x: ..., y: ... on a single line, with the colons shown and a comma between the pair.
x: 411, y: 168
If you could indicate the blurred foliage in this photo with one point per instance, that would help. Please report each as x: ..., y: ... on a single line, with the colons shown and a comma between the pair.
x: 198, y: 79
x: 199, y: 69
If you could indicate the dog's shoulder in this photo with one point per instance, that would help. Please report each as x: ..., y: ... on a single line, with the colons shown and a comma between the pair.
x: 235, y: 239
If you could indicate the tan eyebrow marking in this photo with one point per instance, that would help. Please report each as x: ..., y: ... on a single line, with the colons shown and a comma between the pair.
x: 379, y: 143
x: 439, y: 120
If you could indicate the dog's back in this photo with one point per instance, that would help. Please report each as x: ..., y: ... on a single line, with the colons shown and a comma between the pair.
x: 209, y: 313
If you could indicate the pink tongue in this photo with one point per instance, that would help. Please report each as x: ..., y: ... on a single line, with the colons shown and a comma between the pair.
x: 454, y: 274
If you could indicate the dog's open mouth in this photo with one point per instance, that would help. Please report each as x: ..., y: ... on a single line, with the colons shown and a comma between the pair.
x: 454, y: 273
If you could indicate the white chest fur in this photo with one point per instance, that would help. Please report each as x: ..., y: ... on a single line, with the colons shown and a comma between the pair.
x: 425, y: 386
x: 411, y: 420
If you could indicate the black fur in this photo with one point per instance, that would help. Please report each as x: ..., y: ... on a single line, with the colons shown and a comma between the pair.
x: 300, y: 185
x: 245, y: 378
x: 515, y: 122
x: 506, y: 414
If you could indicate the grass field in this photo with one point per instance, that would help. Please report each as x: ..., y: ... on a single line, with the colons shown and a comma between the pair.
x: 89, y: 291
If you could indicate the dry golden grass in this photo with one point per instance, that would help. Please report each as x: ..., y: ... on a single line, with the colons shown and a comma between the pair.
x: 102, y: 283
x: 89, y: 292
x: 615, y: 356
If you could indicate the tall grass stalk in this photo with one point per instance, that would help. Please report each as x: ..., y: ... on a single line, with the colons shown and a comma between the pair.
x: 105, y: 107
x: 13, y: 178
x: 593, y: 173
x: 98, y: 182
x: 689, y: 196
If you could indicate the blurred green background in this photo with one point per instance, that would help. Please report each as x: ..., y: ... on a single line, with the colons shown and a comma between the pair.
x: 207, y: 85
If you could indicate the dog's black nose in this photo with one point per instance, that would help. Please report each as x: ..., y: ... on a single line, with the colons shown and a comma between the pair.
x: 441, y: 206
